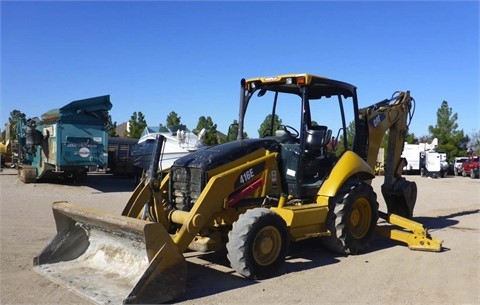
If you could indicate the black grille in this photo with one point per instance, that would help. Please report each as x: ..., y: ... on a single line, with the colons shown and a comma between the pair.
x: 186, y: 184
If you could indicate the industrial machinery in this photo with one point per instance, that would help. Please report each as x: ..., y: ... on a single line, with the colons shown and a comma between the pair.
x: 120, y: 156
x: 251, y: 197
x: 65, y: 141
x: 433, y: 164
x: 3, y: 153
x: 5, y: 146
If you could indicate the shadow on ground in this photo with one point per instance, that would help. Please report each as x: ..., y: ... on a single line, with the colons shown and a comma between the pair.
x: 100, y: 181
x: 303, y: 255
x: 441, y: 222
x: 431, y: 224
x: 108, y: 183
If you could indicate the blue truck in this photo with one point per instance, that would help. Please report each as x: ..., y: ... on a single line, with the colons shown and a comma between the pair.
x: 64, y: 142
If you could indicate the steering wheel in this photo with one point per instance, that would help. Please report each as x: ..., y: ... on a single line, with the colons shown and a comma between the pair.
x: 290, y: 130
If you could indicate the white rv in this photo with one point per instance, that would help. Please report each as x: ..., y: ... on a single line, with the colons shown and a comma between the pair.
x: 432, y: 162
x: 411, y: 152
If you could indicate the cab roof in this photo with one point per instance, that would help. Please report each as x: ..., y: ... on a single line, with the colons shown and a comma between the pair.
x: 319, y: 86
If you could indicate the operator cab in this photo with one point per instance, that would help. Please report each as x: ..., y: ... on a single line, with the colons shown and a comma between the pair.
x: 313, y: 106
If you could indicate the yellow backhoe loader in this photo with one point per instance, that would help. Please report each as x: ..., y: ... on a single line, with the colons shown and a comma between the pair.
x: 252, y: 196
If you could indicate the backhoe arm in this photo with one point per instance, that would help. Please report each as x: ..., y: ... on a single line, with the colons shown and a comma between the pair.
x: 400, y: 195
x: 392, y: 116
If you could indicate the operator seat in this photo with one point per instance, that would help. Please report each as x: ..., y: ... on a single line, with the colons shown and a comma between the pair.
x: 317, y: 139
x: 316, y: 163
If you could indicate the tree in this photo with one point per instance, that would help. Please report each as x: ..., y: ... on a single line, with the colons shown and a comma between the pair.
x: 136, y: 125
x: 210, y: 130
x: 111, y: 127
x: 15, y: 116
x: 233, y: 132
x: 424, y: 139
x: 474, y: 144
x: 410, y: 138
x: 450, y: 140
x: 173, y: 119
x: 112, y: 132
x: 265, y: 127
x: 350, y: 137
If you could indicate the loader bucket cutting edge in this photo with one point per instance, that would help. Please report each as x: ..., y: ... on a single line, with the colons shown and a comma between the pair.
x: 112, y: 259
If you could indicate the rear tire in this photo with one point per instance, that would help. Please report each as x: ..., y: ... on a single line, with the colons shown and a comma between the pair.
x: 352, y: 219
x: 80, y: 176
x: 257, y: 243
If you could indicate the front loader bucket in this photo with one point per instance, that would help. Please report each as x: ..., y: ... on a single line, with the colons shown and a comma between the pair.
x: 112, y: 259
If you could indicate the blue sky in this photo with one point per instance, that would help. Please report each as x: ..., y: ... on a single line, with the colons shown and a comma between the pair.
x: 188, y: 57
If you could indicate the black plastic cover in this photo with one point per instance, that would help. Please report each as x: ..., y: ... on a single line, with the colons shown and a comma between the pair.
x: 212, y: 157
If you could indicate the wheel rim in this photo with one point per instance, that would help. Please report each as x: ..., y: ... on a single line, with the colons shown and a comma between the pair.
x: 360, y: 218
x: 267, y: 246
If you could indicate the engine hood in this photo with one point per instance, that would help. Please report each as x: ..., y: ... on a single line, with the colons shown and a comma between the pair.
x: 215, y: 156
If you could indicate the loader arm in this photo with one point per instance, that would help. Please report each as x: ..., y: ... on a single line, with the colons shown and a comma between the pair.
x: 213, y: 200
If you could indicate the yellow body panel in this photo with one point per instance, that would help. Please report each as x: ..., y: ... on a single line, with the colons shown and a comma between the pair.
x: 304, y: 221
x: 282, y: 78
x: 414, y: 234
x: 348, y: 165
x: 213, y: 201
x: 252, y: 159
x: 3, y: 149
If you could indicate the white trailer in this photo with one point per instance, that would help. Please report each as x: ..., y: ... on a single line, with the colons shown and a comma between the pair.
x: 411, y: 152
x: 434, y: 163
x: 423, y: 159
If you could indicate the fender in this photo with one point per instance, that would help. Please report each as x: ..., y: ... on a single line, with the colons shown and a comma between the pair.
x: 348, y: 165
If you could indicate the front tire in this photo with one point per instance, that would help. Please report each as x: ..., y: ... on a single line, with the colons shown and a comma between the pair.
x: 257, y: 243
x: 352, y: 219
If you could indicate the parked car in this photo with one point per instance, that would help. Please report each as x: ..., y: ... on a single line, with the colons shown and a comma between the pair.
x: 471, y: 167
x: 457, y: 165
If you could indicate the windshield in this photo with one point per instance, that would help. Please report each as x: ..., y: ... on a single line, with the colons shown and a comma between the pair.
x: 286, y: 109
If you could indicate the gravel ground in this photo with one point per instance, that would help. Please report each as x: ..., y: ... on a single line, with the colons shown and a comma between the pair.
x: 389, y: 273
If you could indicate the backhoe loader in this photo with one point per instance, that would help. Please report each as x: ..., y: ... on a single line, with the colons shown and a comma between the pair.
x: 250, y: 197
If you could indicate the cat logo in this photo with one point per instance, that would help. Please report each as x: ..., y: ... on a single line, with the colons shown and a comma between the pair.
x: 376, y: 120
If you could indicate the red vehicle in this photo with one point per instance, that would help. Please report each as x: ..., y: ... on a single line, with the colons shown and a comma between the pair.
x: 470, y: 167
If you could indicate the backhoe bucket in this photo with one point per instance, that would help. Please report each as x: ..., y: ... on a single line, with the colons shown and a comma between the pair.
x: 112, y: 259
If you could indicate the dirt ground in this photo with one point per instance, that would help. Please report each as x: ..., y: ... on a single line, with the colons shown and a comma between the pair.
x: 390, y: 273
